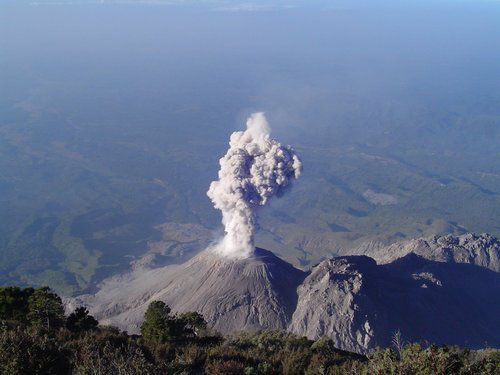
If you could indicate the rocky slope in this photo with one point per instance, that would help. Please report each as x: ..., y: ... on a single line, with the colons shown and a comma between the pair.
x: 443, y: 290
x: 360, y: 304
x: 334, y: 301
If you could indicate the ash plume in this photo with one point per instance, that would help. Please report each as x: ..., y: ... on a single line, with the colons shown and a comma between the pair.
x: 255, y: 168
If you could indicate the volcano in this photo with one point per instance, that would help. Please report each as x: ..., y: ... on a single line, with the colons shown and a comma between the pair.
x: 258, y: 292
x: 351, y: 299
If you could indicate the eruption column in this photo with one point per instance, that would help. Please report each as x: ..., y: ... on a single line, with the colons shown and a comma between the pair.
x: 255, y: 168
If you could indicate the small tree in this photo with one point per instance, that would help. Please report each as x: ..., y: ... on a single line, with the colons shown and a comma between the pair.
x: 157, y: 326
x: 191, y: 323
x: 80, y: 320
x: 14, y: 303
x: 45, y: 309
x: 160, y: 325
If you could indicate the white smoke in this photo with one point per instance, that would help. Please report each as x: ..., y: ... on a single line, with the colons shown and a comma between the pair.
x: 255, y: 168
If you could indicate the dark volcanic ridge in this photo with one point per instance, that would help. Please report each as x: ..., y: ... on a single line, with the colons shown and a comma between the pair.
x: 447, y: 294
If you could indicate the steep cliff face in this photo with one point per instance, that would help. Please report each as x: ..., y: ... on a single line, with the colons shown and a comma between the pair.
x: 479, y: 249
x: 441, y: 290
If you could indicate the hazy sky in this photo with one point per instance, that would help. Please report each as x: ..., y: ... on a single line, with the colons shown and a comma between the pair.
x: 113, y: 118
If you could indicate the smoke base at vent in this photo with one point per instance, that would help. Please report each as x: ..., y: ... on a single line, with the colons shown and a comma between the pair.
x: 255, y: 168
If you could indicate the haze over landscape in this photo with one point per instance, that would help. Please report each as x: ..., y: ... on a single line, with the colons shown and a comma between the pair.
x: 114, y: 115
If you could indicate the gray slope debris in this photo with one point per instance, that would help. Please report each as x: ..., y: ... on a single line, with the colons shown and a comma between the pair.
x: 443, y: 292
x: 479, y: 249
x: 232, y: 294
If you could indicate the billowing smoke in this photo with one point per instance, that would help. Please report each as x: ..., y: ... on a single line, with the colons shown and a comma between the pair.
x: 255, y: 168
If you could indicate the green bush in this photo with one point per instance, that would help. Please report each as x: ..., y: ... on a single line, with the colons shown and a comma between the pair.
x: 80, y: 320
x: 31, y: 351
x: 34, y: 340
x: 434, y: 360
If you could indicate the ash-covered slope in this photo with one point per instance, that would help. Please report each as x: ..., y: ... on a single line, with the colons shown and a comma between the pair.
x: 479, y: 249
x: 232, y: 294
x: 360, y: 304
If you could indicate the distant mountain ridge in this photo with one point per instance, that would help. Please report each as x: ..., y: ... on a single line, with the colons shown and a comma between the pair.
x: 443, y: 297
x: 480, y: 249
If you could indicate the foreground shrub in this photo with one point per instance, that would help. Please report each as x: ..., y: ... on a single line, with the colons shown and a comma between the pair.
x: 110, y: 352
x: 434, y: 360
x: 31, y: 351
x: 222, y: 367
x: 36, y: 338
